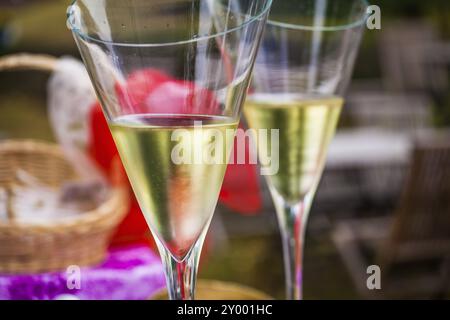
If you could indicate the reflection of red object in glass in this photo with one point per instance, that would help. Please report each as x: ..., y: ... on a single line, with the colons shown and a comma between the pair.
x: 240, y: 189
x: 181, y: 97
x: 139, y: 84
x: 152, y: 91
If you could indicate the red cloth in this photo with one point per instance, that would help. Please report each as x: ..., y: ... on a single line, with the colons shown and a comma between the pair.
x: 240, y: 189
x: 151, y: 91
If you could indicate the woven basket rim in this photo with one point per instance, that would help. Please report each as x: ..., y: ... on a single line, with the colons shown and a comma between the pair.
x: 28, y: 61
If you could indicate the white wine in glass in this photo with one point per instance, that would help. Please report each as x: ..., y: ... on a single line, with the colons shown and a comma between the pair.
x: 172, y: 193
x: 306, y: 126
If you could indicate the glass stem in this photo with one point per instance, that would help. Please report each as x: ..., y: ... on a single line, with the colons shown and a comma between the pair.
x: 181, y: 275
x: 292, y: 220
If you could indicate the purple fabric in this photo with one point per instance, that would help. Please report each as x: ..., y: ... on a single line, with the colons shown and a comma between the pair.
x: 131, y: 273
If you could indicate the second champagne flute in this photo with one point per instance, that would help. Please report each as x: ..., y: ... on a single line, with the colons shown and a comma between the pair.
x: 302, y: 70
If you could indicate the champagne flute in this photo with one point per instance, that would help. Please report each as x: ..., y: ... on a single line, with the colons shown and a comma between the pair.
x: 172, y: 82
x: 302, y: 70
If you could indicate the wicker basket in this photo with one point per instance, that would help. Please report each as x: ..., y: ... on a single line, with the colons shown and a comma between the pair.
x: 80, y: 240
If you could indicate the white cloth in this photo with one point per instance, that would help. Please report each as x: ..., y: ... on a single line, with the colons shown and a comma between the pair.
x: 70, y: 99
x: 368, y: 148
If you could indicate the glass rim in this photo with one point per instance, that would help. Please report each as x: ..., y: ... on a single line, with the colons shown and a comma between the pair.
x: 342, y: 27
x: 77, y: 32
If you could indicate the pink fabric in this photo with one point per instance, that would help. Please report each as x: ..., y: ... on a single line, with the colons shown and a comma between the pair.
x: 131, y: 273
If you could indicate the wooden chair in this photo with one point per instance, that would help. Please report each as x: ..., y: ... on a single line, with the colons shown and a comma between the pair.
x: 414, y: 75
x: 412, y: 247
x: 404, y: 48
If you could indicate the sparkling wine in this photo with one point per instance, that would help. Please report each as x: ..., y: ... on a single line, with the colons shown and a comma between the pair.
x: 306, y: 126
x: 176, y: 183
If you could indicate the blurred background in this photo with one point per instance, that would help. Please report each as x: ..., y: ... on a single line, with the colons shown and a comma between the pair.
x: 384, y: 197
